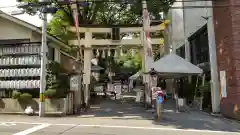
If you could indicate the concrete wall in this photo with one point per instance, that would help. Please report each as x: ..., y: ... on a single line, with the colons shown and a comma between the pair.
x: 9, y: 105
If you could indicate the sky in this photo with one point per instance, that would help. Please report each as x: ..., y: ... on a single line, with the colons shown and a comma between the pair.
x: 35, y: 20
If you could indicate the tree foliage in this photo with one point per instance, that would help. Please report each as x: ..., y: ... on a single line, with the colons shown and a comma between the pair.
x: 101, y: 12
x: 106, y: 13
x: 129, y: 63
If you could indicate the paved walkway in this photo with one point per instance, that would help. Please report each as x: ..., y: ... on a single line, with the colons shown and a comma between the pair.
x: 117, y: 119
x: 171, y: 118
x: 116, y: 109
x: 113, y: 118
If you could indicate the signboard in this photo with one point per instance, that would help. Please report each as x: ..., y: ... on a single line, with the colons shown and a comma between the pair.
x: 110, y: 87
x: 223, y: 84
x: 146, y: 78
x: 180, y: 102
x: 154, y: 80
x: 125, y: 88
x: 118, y: 87
x: 98, y: 89
x: 74, y: 82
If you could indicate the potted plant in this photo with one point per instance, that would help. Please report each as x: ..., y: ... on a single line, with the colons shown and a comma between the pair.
x: 25, y: 97
x: 16, y: 94
x: 50, y: 93
x: 199, y: 95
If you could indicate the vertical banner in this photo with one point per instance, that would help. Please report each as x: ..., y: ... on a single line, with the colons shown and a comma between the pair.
x: 76, y: 23
x: 74, y: 80
x: 147, y: 33
x: 147, y: 45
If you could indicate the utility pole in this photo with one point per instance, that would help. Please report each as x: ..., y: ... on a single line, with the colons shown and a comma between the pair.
x: 213, y: 60
x: 44, y: 50
x: 79, y: 95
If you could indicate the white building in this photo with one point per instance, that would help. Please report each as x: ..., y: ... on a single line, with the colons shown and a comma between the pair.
x: 189, y: 34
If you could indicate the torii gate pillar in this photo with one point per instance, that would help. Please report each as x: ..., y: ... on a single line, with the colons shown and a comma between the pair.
x: 87, y: 66
x: 147, y: 89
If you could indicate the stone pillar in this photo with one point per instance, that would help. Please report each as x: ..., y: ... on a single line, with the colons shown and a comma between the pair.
x: 87, y: 66
x: 167, y: 35
x: 227, y: 29
x: 147, y: 98
x: 167, y: 40
x: 186, y: 42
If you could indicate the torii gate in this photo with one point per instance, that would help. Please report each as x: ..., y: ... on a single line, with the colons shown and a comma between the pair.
x: 88, y: 43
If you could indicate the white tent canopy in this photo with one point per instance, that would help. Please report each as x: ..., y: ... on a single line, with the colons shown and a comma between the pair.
x: 174, y: 64
x: 170, y: 65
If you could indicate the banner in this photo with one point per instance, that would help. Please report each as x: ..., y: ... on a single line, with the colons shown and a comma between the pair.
x: 147, y: 33
x: 148, y: 53
x: 76, y: 23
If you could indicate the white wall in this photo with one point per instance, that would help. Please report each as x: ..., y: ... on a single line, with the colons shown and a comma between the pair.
x: 177, y: 30
x: 10, y: 30
x: 192, y: 17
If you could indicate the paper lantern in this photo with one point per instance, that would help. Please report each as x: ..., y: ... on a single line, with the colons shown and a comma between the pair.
x: 98, y: 54
x: 103, y: 54
x: 109, y: 52
x: 115, y: 53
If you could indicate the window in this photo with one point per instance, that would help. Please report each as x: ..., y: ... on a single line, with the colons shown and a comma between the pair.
x: 51, y: 53
x: 199, y: 46
x: 181, y: 51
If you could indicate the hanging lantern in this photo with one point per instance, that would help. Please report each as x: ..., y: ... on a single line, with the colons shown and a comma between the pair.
x: 98, y: 54
x: 103, y: 53
x: 115, y: 53
x: 133, y: 52
x: 121, y: 52
x: 109, y: 52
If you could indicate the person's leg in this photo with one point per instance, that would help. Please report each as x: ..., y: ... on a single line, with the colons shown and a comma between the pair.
x: 158, y: 109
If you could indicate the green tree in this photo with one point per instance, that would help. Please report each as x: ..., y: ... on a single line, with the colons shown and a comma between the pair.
x: 105, y: 13
x: 101, y: 12
x: 129, y: 63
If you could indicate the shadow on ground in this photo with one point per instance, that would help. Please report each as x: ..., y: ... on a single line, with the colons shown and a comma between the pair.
x: 183, y: 120
x: 196, y: 120
x: 117, y: 110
